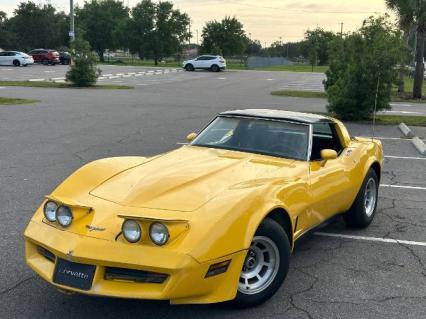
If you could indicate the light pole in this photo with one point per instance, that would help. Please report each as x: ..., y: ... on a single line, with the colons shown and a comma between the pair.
x: 72, y: 29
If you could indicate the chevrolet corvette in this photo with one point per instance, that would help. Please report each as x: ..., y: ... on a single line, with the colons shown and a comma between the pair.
x: 214, y: 220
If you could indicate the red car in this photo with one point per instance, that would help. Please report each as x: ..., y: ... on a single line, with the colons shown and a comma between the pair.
x: 45, y: 56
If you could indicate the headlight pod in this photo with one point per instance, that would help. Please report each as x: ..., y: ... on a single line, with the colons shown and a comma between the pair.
x: 64, y: 216
x: 159, y: 233
x: 131, y: 230
x: 49, y: 211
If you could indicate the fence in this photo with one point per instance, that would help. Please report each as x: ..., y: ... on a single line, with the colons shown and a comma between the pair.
x: 261, y: 62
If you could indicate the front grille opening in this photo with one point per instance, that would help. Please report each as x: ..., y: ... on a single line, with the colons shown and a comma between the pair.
x: 46, y: 254
x: 113, y: 273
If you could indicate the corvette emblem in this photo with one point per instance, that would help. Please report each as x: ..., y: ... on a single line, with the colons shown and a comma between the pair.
x: 94, y: 228
x: 69, y: 255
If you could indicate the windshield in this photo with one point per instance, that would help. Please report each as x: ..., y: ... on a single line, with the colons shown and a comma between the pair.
x: 269, y: 137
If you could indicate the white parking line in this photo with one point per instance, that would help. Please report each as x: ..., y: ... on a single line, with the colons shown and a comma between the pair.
x: 49, y: 71
x: 376, y: 239
x: 403, y: 186
x: 391, y: 138
x: 401, y: 112
x: 405, y: 157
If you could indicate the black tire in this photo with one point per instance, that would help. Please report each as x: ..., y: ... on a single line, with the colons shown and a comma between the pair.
x: 189, y: 67
x: 16, y: 63
x: 215, y: 68
x: 45, y: 62
x: 358, y: 216
x: 273, y: 231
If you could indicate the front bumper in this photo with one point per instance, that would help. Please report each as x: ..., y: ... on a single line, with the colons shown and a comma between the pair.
x: 186, y: 282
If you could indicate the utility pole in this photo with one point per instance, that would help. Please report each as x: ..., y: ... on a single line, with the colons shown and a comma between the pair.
x: 197, y: 38
x: 72, y: 29
x: 341, y: 29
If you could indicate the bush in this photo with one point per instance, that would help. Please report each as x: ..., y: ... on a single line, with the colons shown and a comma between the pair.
x: 83, y: 71
x: 357, y: 62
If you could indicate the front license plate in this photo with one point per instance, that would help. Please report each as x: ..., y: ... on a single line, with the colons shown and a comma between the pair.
x: 74, y: 275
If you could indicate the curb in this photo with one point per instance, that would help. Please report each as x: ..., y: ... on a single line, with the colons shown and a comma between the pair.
x: 419, y: 145
x: 405, y: 130
x: 415, y: 140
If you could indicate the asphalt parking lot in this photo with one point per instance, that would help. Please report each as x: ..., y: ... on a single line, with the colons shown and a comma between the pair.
x: 379, y: 272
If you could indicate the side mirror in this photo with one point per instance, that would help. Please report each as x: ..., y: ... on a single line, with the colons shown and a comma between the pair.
x: 328, y: 154
x: 191, y: 136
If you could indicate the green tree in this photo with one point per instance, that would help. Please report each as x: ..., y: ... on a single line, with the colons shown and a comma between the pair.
x: 102, y: 20
x: 139, y: 28
x: 360, y: 62
x: 171, y: 28
x: 4, y: 34
x: 253, y: 47
x: 227, y: 35
x: 35, y: 26
x: 413, y: 12
x: 316, y: 46
x: 83, y: 71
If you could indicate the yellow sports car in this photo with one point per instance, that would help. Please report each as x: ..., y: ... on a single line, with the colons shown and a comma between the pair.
x: 215, y: 220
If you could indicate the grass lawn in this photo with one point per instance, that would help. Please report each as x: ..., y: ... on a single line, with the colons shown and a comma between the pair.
x: 307, y: 94
x: 397, y: 119
x: 138, y: 62
x: 45, y: 84
x: 11, y: 101
x: 314, y: 94
x: 234, y: 65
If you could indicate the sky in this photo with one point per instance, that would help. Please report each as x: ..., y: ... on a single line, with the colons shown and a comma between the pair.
x: 264, y: 20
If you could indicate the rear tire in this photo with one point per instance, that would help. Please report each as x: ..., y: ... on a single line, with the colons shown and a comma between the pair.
x: 215, y: 68
x: 265, y: 267
x: 362, y: 212
x: 189, y: 67
x: 16, y: 63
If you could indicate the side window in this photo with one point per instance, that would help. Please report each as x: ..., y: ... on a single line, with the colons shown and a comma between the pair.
x: 324, y: 137
x: 11, y: 54
x: 3, y: 53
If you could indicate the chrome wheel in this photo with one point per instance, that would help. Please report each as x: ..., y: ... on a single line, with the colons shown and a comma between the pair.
x: 260, y: 266
x: 370, y: 197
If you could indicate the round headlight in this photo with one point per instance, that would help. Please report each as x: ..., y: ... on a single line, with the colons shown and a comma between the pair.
x: 50, y: 211
x: 159, y: 234
x: 64, y: 216
x: 131, y: 230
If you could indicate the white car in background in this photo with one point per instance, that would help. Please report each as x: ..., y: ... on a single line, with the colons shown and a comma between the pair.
x: 214, y: 63
x: 15, y: 58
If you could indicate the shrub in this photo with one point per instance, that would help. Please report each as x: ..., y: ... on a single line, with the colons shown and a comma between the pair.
x: 358, y: 63
x: 83, y: 71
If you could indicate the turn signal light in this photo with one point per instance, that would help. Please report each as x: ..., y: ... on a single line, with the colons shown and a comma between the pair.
x: 217, y: 269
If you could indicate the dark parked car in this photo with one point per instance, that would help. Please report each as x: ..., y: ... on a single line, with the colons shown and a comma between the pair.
x: 64, y: 57
x: 45, y: 56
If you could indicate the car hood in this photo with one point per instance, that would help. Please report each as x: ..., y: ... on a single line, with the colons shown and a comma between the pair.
x: 187, y: 178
